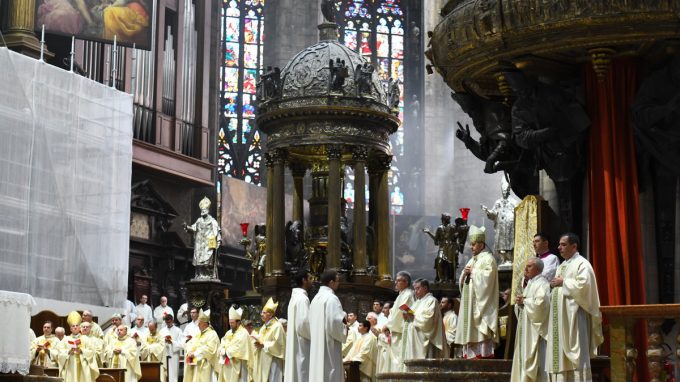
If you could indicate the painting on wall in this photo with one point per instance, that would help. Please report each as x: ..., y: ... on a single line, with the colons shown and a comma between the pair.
x: 130, y: 22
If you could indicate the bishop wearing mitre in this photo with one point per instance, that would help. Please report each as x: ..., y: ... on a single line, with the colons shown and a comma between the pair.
x: 201, y: 351
x: 77, y: 361
x: 235, y: 349
x: 477, y: 329
x: 270, y: 347
x: 122, y: 354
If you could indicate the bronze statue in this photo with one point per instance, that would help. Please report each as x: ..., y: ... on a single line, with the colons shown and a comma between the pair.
x: 393, y: 94
x: 207, y: 240
x: 295, y: 246
x: 258, y: 255
x: 451, y: 242
x: 339, y: 72
x: 656, y: 116
x: 495, y: 147
x: 328, y: 10
x: 362, y: 78
x: 552, y: 124
x: 269, y: 85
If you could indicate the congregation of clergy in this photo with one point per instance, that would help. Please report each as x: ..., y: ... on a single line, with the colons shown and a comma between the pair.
x: 556, y: 304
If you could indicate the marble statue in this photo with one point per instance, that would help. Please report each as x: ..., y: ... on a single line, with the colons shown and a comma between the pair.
x: 207, y: 240
x: 451, y: 242
x: 503, y: 216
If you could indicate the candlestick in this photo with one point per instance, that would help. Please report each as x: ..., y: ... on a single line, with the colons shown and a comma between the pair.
x: 73, y: 50
x: 42, y: 43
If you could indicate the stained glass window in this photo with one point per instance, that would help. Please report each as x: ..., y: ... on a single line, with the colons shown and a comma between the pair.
x: 239, y: 146
x: 375, y: 29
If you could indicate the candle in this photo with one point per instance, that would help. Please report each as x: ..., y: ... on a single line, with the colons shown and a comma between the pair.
x: 42, y: 35
x: 73, y: 44
x: 114, y: 43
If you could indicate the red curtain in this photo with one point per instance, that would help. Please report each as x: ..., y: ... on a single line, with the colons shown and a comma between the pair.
x: 615, y: 237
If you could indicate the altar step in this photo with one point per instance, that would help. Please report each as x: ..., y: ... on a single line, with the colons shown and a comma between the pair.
x: 482, y: 370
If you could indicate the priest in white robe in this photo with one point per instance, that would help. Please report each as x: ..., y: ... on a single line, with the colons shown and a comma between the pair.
x: 172, y: 338
x: 328, y: 331
x: 575, y: 324
x: 96, y: 343
x: 201, y: 352
x: 161, y: 311
x: 424, y: 328
x: 144, y: 310
x: 365, y: 351
x: 95, y: 329
x: 75, y: 355
x: 111, y: 333
x: 477, y: 329
x: 270, y: 347
x: 123, y: 354
x: 542, y: 248
x: 352, y: 332
x: 235, y: 350
x: 298, y: 339
x: 394, y: 328
x: 532, y: 307
x: 191, y: 329
x: 450, y: 318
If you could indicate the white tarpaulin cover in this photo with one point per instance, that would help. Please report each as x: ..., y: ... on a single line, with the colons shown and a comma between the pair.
x: 65, y: 166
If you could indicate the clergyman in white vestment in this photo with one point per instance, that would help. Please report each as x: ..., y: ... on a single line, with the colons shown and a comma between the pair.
x: 298, y: 340
x: 328, y: 332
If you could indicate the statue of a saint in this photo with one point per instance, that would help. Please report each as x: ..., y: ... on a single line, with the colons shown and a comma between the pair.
x: 503, y: 216
x: 207, y: 240
x: 258, y: 255
x: 451, y: 242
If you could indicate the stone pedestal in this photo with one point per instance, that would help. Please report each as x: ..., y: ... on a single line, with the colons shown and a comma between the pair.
x: 209, y: 295
x: 445, y: 289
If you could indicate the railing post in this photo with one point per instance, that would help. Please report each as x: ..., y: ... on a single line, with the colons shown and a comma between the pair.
x: 654, y: 349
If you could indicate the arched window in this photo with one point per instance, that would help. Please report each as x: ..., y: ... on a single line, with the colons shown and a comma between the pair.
x: 375, y: 28
x: 239, y: 146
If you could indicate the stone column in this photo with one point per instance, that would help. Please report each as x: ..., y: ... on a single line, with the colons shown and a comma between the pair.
x: 20, y: 35
x: 298, y: 170
x: 334, y: 153
x: 269, y: 211
x: 278, y: 213
x: 359, y: 155
x: 378, y: 170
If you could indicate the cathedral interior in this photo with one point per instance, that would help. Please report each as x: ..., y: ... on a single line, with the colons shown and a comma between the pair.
x: 330, y: 137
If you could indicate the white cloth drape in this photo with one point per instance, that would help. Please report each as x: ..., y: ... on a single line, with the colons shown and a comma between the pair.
x: 15, y: 314
x: 65, y: 167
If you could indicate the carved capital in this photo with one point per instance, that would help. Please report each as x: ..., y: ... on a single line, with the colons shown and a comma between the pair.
x: 602, y: 61
x: 360, y: 154
x: 278, y: 156
x: 297, y: 169
x: 334, y: 151
x: 379, y: 164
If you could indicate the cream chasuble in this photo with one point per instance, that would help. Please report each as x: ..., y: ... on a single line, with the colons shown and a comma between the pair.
x: 234, y: 353
x: 575, y: 323
x: 328, y: 335
x: 77, y: 367
x: 478, y: 319
x: 364, y: 350
x: 128, y: 358
x: 383, y: 359
x: 267, y: 363
x: 97, y: 345
x: 153, y: 349
x: 395, y: 323
x: 528, y: 364
x: 204, y: 348
x: 47, y: 356
x: 424, y: 335
x: 298, y: 337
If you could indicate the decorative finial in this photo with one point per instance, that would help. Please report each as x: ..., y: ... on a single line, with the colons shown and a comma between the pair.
x: 328, y: 29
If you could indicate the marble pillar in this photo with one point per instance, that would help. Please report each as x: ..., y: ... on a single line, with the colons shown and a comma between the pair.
x: 379, y: 172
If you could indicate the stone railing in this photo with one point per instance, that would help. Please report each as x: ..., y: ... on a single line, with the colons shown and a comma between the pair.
x: 622, y: 318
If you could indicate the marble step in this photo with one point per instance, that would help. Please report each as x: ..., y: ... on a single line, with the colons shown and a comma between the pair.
x: 486, y: 370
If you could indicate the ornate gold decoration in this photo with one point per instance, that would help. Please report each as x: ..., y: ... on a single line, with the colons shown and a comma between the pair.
x: 360, y: 153
x: 504, y: 87
x: 477, y: 34
x: 602, y: 61
x: 526, y: 225
x: 334, y: 151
